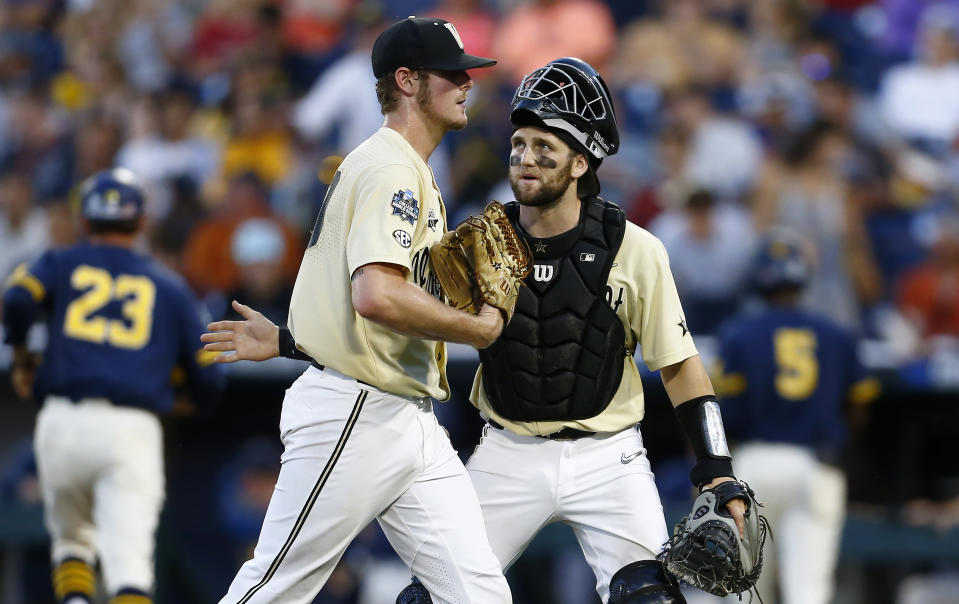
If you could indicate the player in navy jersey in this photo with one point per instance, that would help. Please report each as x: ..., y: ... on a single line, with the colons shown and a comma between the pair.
x: 790, y: 382
x: 118, y: 324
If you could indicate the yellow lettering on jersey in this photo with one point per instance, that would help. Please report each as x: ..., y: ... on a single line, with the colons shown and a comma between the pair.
x: 726, y: 384
x: 79, y: 322
x: 138, y: 294
x: 795, y: 351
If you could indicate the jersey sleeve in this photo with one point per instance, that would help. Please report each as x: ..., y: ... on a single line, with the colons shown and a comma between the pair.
x: 664, y: 337
x: 205, y: 379
x: 384, y: 218
x: 861, y: 387
x: 27, y: 289
x: 731, y: 362
x: 730, y: 381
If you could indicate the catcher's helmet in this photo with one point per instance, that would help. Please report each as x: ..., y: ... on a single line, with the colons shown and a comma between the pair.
x: 568, y: 97
x: 780, y: 264
x: 112, y: 197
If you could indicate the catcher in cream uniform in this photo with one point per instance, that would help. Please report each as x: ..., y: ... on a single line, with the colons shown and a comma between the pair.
x: 361, y: 441
x: 560, y: 388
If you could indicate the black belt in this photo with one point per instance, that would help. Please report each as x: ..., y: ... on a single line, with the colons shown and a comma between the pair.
x: 323, y: 368
x: 566, y: 433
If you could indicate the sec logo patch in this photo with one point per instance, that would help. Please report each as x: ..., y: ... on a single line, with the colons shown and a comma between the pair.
x: 402, y: 237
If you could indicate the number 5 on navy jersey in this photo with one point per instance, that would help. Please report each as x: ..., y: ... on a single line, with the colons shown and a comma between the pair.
x: 798, y: 366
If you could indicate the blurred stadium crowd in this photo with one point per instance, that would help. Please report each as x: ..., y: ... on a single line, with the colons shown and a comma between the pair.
x: 836, y: 118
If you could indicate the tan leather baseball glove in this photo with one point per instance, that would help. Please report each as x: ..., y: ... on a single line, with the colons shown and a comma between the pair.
x: 482, y: 261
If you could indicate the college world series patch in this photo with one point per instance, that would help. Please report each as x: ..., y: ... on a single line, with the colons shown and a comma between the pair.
x: 406, y: 206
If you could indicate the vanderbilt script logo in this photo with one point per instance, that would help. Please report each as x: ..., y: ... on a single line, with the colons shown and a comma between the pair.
x: 423, y: 274
x: 542, y: 272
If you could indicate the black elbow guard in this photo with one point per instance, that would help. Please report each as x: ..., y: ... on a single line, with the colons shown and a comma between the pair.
x: 702, y: 423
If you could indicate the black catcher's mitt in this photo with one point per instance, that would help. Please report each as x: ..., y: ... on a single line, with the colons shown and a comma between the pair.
x: 706, y: 550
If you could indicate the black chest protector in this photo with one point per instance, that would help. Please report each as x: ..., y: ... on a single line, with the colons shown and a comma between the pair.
x: 561, y: 355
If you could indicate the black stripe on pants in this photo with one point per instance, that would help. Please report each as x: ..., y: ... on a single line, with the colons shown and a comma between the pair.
x: 311, y: 500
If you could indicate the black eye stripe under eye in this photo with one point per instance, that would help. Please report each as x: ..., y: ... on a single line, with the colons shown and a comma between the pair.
x: 545, y: 162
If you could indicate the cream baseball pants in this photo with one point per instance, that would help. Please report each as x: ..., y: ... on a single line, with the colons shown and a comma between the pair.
x: 353, y: 453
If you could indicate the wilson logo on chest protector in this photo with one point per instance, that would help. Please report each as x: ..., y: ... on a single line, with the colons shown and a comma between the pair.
x: 543, y: 272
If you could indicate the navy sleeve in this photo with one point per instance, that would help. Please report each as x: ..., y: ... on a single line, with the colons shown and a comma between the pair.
x: 860, y: 387
x: 19, y: 311
x: 732, y: 386
x: 856, y: 371
x: 205, y: 379
x: 27, y: 289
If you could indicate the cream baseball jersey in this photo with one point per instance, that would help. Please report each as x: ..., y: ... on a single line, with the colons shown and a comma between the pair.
x: 382, y: 206
x: 641, y: 291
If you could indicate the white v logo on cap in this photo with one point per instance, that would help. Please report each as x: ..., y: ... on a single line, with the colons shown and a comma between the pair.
x: 456, y: 34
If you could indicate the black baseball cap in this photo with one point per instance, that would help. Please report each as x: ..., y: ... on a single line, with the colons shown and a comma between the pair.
x: 422, y: 43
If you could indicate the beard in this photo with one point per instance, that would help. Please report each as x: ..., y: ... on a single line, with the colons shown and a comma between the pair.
x: 549, y: 190
x: 424, y: 99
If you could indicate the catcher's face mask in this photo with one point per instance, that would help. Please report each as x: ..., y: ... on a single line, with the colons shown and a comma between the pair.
x: 569, y: 95
x: 569, y: 98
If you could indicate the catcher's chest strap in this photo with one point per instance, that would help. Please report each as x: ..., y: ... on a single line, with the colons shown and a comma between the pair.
x: 566, y: 433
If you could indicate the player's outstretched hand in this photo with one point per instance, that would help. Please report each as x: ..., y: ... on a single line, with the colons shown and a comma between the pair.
x: 255, y: 339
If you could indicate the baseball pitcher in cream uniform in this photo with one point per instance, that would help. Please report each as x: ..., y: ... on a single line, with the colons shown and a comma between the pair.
x: 361, y: 441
